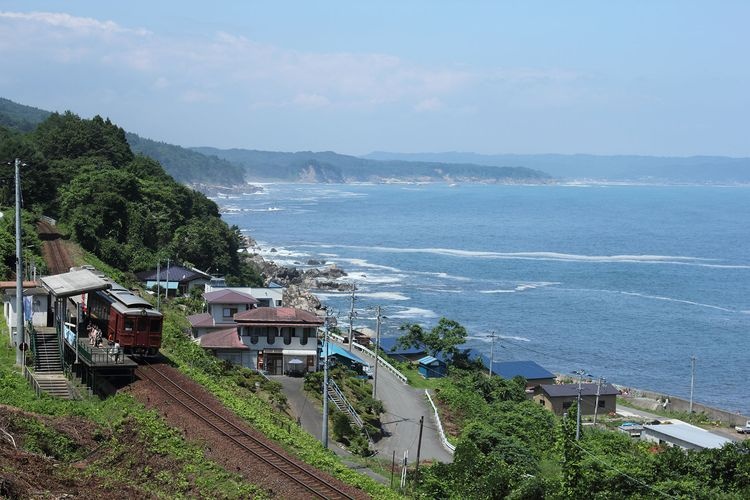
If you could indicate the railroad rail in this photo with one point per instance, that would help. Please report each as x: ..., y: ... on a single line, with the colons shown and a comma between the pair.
x: 312, y: 484
x: 54, y: 251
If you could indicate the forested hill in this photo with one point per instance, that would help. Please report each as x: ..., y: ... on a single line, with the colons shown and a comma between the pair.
x: 19, y: 117
x: 186, y: 165
x: 120, y: 206
x: 650, y: 169
x: 333, y: 167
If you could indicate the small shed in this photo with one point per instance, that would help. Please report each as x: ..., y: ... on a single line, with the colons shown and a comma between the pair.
x: 431, y: 367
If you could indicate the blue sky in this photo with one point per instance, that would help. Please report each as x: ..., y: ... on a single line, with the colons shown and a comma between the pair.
x: 604, y: 77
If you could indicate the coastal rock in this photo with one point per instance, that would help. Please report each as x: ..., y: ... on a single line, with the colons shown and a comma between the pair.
x: 299, y: 298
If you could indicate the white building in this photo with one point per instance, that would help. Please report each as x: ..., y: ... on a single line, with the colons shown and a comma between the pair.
x: 36, y: 301
x: 686, y: 436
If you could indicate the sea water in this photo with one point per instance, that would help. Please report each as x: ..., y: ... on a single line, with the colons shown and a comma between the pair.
x: 624, y: 282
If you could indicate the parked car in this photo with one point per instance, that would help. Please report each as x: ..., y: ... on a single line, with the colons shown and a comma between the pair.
x: 743, y: 429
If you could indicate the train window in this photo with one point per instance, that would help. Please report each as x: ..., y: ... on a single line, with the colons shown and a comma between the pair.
x: 128, y: 325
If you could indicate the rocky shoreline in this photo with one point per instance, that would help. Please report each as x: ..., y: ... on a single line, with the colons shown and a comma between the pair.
x: 321, y: 275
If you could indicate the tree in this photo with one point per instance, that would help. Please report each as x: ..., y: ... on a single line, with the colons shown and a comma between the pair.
x: 444, y: 338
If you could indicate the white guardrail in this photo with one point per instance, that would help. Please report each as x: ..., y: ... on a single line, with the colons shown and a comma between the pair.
x: 443, y: 439
x: 385, y: 364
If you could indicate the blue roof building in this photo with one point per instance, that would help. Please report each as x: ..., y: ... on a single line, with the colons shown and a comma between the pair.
x: 390, y: 347
x: 431, y: 367
x: 531, y: 371
x: 341, y: 355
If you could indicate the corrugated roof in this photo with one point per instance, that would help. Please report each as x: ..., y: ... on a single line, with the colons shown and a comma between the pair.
x: 566, y: 390
x: 175, y: 273
x: 428, y: 360
x: 201, y: 320
x: 526, y: 369
x: 278, y: 315
x: 689, y: 433
x: 388, y: 343
x: 223, y: 339
x: 74, y: 283
x: 336, y: 350
x: 228, y: 296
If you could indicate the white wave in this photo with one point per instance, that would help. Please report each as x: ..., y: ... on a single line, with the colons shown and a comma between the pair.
x: 413, y: 312
x: 384, y: 295
x: 556, y: 256
x: 487, y: 338
x: 522, y: 287
x: 681, y: 301
x: 373, y: 279
x: 497, y: 291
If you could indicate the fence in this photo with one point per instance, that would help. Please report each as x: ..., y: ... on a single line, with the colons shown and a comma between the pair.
x: 385, y: 364
x: 443, y: 438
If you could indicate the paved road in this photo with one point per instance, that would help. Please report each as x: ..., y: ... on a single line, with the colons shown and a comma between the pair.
x: 404, y: 406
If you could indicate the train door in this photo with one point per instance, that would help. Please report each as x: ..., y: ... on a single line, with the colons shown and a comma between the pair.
x: 141, y: 333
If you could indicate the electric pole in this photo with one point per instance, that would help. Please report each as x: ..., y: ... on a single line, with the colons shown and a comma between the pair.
x: 492, y: 351
x: 351, y: 318
x: 378, y: 318
x: 692, y: 381
x: 598, y: 392
x: 158, y: 285
x: 419, y: 448
x: 166, y: 292
x: 19, y: 271
x: 325, y: 385
x: 580, y: 374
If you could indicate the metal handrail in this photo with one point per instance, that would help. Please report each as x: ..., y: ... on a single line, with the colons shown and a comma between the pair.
x: 349, y: 407
x: 385, y: 364
x: 443, y: 438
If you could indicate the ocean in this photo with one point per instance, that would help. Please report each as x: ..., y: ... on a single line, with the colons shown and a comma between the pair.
x: 624, y: 282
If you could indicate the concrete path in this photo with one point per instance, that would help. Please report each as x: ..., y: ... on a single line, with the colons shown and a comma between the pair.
x: 404, y: 406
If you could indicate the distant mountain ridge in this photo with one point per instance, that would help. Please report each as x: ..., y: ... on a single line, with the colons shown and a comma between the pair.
x: 327, y: 166
x: 693, y: 169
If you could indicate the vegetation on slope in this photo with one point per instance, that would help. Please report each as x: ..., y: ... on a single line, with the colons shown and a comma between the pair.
x: 121, y: 207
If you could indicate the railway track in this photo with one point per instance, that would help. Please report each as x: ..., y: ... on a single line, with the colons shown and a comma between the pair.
x: 53, y: 250
x: 313, y: 486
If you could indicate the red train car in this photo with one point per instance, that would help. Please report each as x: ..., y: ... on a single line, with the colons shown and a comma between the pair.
x: 126, y: 318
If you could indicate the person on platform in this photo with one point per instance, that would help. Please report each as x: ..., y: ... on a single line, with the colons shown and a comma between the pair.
x: 116, y: 351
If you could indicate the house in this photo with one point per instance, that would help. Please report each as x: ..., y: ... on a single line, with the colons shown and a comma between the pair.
x: 678, y: 433
x: 226, y: 344
x: 36, y: 303
x: 431, y: 367
x: 222, y: 305
x: 392, y: 349
x: 177, y: 280
x: 533, y: 373
x: 341, y: 356
x: 280, y: 339
x: 270, y: 296
x: 559, y: 397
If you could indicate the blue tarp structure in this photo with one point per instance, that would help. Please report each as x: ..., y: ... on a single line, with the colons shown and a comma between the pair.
x: 335, y: 350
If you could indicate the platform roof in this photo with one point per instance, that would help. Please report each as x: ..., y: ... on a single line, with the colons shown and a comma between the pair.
x: 74, y: 283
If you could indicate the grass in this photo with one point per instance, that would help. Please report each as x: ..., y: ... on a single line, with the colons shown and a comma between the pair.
x: 700, y: 419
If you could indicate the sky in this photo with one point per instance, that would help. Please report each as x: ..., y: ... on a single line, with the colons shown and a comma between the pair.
x: 649, y: 77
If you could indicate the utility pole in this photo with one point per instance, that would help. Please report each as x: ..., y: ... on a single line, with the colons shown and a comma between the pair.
x: 351, y: 318
x: 19, y: 271
x: 419, y: 449
x: 377, y: 354
x: 158, y: 285
x: 325, y: 385
x: 598, y: 391
x: 166, y: 292
x: 692, y: 381
x: 580, y: 374
x: 492, y: 351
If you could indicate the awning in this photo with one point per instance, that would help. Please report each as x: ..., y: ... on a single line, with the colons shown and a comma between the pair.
x: 299, y: 352
x: 172, y: 285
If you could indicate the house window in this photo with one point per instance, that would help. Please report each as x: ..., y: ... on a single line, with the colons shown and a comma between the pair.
x: 287, y: 334
x: 601, y: 403
x: 254, y: 338
x: 541, y: 402
x: 271, y: 337
x: 306, y: 334
x: 229, y: 312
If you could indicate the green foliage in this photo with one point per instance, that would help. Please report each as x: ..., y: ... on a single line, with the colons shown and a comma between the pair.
x: 19, y: 117
x: 444, y: 338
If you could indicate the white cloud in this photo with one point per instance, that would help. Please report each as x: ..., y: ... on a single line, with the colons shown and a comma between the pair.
x: 431, y: 104
x: 62, y: 20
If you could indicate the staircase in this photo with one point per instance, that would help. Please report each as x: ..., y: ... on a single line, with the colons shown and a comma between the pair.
x: 47, y: 353
x: 48, y: 373
x: 337, y: 397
